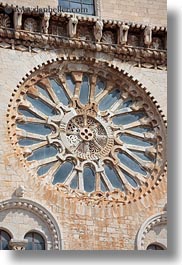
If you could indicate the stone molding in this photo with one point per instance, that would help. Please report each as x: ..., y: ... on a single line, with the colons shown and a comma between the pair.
x: 160, y: 218
x: 35, y: 42
x: 41, y: 212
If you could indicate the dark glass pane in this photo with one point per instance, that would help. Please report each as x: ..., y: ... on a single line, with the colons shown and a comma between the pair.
x: 39, y: 105
x: 63, y: 172
x: 60, y: 92
x: 70, y: 83
x: 39, y: 246
x: 85, y: 90
x: 134, y: 141
x: 154, y: 247
x: 88, y: 9
x: 113, y: 177
x: 75, y: 6
x: 35, y: 128
x: 4, y: 245
x: 43, y: 153
x: 89, y: 2
x: 130, y: 163
x: 131, y: 180
x: 100, y: 86
x: 35, y: 241
x: 42, y: 170
x: 4, y: 240
x: 38, y: 238
x: 26, y: 142
x: 89, y: 179
x: 64, y: 4
x: 127, y: 118
x: 4, y: 236
x: 28, y: 113
x: 29, y: 246
x: 141, y: 129
x: 42, y: 91
x: 127, y: 103
x: 109, y: 100
x: 144, y: 157
x: 74, y: 182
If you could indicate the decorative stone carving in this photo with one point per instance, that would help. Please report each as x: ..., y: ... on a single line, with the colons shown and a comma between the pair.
x: 39, y: 211
x: 108, y: 37
x: 17, y: 19
x: 72, y: 26
x: 98, y: 30
x: 18, y: 244
x: 156, y: 43
x: 123, y: 34
x: 20, y: 191
x: 133, y: 40
x: 85, y: 32
x: 31, y: 25
x: 45, y: 23
x: 5, y: 21
x: 148, y: 36
x: 157, y: 219
x: 88, y: 135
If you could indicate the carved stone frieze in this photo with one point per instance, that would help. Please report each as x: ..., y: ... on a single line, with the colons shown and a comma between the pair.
x: 45, y: 23
x: 98, y: 30
x: 5, y: 21
x: 108, y: 37
x: 30, y: 24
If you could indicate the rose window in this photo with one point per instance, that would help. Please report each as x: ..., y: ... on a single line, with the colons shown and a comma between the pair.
x: 89, y: 128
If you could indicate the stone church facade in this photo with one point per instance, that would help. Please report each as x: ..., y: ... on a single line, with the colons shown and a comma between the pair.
x: 83, y: 109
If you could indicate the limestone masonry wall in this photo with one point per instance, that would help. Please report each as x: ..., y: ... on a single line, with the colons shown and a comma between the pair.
x: 141, y: 11
x: 83, y: 225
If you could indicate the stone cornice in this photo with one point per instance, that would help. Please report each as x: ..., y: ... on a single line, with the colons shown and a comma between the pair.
x: 33, y: 42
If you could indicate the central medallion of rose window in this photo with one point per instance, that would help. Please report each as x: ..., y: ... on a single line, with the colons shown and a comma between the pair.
x: 87, y: 129
x: 88, y: 137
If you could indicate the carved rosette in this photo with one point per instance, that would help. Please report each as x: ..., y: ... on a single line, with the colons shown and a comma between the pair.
x: 88, y: 128
x: 5, y: 21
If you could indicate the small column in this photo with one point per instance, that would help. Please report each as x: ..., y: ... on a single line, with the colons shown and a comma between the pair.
x: 72, y: 26
x: 123, y: 34
x: 148, y: 36
x: 98, y: 28
x: 17, y: 20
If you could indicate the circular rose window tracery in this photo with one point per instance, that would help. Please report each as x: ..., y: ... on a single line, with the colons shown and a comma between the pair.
x: 87, y: 127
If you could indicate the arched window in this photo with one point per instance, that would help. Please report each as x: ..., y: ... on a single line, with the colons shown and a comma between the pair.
x: 78, y: 6
x: 35, y: 241
x: 4, y: 240
x: 154, y: 247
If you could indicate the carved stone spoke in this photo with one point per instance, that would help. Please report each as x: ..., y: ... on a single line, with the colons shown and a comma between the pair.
x: 46, y: 83
x: 46, y: 100
x: 98, y: 129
